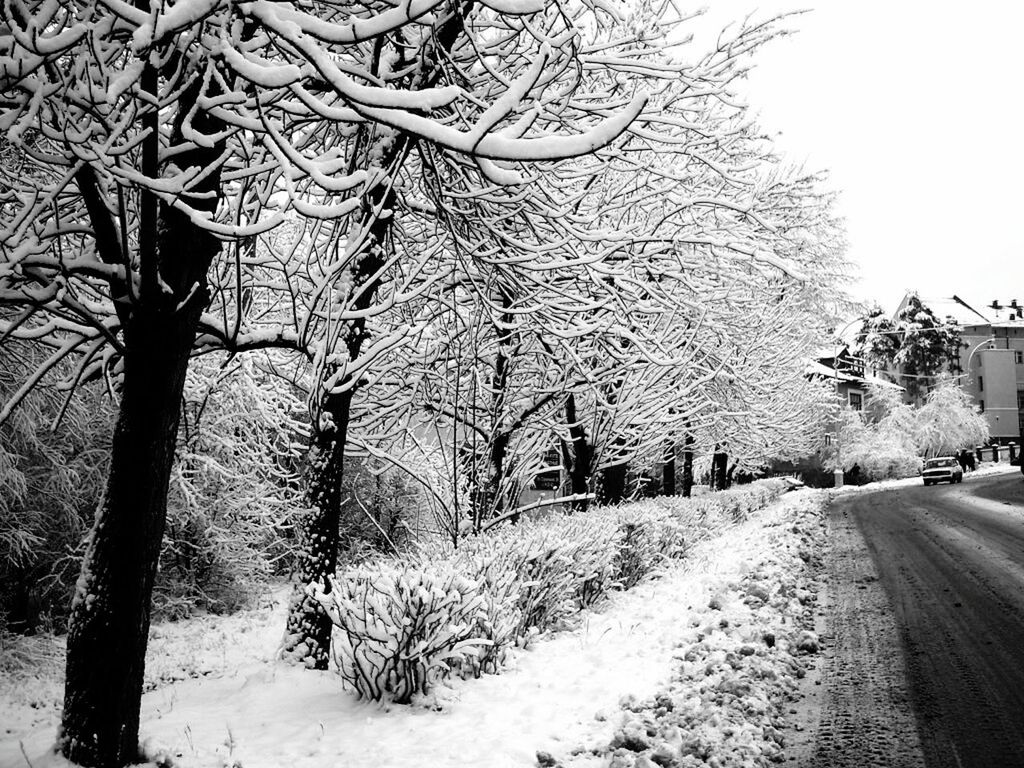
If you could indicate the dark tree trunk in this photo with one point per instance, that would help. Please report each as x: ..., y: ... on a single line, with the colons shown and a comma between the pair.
x: 576, y: 455
x: 307, y: 638
x: 719, y: 465
x: 613, y: 483
x: 688, y: 465
x: 109, y: 624
x: 492, y: 502
x: 668, y: 472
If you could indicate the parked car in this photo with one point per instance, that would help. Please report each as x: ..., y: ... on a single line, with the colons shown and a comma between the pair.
x: 942, y: 468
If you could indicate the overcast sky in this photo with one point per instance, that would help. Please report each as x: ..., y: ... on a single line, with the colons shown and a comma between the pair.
x: 918, y: 113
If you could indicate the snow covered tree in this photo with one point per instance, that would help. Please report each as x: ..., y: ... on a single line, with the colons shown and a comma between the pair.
x: 50, y: 481
x: 878, y: 339
x: 918, y: 344
x: 150, y: 134
x: 880, y: 441
x: 234, y: 486
x: 948, y: 421
x: 889, y: 438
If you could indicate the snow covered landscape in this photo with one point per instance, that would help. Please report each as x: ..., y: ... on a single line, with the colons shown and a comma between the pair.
x: 701, y: 659
x: 453, y: 382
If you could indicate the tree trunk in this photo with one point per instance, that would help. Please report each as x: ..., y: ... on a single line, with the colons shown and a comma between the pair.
x: 308, y: 630
x: 719, y: 465
x: 576, y: 455
x: 687, y: 465
x: 668, y: 472
x: 109, y: 624
x: 613, y: 483
x: 307, y: 638
x: 492, y: 503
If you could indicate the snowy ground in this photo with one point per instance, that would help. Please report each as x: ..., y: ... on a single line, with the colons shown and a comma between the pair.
x: 701, y: 660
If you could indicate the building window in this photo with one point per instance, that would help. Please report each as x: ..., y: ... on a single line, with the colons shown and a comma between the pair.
x: 856, y: 401
x: 1018, y: 356
x: 981, y: 383
x: 981, y: 406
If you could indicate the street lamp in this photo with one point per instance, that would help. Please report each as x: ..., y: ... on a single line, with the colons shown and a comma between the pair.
x: 970, y: 357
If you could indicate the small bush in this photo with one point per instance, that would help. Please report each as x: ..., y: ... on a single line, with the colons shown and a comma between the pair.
x: 401, y: 626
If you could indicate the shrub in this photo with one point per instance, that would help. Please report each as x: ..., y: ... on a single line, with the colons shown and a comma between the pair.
x: 402, y: 623
x: 398, y: 627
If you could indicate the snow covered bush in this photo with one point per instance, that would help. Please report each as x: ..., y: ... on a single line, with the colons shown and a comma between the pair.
x: 398, y: 627
x: 401, y: 624
x: 648, y: 534
x: 717, y: 510
x: 559, y: 564
x: 500, y: 618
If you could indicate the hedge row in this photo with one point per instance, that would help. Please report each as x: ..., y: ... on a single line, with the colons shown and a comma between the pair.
x: 403, y: 623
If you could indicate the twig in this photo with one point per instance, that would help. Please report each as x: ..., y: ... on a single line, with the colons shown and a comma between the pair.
x: 373, y: 520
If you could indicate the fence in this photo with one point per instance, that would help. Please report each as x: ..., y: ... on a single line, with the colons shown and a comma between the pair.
x: 996, y: 453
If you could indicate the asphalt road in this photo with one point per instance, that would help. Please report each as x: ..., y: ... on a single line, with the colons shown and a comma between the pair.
x: 926, y: 627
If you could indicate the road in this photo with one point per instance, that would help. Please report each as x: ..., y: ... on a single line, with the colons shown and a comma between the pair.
x: 925, y: 628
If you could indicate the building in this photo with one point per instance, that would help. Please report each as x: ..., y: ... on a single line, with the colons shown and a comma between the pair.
x: 852, y: 382
x: 991, y: 364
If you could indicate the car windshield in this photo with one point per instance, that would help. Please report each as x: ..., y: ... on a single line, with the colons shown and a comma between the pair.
x: 940, y: 463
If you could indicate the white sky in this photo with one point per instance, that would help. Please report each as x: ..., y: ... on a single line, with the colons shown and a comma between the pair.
x: 917, y: 111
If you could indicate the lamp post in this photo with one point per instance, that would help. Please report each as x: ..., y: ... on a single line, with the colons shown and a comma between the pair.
x: 970, y: 359
x: 977, y: 346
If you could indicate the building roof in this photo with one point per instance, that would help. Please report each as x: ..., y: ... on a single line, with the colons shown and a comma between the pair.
x: 970, y: 312
x: 817, y: 368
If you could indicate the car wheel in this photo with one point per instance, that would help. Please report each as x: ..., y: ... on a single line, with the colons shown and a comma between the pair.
x: 927, y: 482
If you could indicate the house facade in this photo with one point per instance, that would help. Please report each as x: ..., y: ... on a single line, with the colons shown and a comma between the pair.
x: 991, y: 363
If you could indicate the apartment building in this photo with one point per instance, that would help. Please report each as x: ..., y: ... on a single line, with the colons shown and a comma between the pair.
x: 991, y: 364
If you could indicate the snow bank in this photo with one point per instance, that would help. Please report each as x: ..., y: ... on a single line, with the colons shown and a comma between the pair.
x: 560, y: 696
x: 737, y: 663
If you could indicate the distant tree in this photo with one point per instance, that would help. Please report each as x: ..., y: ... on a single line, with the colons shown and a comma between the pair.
x: 880, y: 442
x: 918, y: 344
x: 889, y: 438
x: 878, y: 340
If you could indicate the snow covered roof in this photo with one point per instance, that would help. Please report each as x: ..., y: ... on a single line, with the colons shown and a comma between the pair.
x: 878, y: 381
x: 964, y: 312
x: 970, y: 312
x: 817, y: 368
x: 825, y: 371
